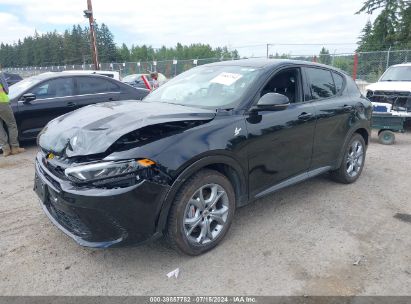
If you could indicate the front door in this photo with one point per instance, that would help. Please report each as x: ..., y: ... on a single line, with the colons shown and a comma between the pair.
x: 53, y: 98
x: 280, y: 141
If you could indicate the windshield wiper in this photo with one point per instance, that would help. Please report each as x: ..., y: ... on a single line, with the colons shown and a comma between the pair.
x: 223, y: 109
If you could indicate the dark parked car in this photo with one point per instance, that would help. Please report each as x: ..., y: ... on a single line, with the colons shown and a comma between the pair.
x: 38, y: 99
x: 136, y: 80
x: 212, y: 139
x: 12, y: 78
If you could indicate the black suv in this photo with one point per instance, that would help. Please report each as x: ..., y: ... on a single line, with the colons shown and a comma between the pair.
x: 212, y: 139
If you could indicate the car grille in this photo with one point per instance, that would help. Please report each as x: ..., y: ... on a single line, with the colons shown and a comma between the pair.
x: 400, y: 100
x: 88, y: 224
x: 70, y: 221
x: 392, y: 93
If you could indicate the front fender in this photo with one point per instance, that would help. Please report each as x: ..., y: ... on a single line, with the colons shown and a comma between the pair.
x: 220, y: 141
x: 188, y: 170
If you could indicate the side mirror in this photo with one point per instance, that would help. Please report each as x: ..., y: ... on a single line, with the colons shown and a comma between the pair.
x: 28, y: 97
x: 272, y: 102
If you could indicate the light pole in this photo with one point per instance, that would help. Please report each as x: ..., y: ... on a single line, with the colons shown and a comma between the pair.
x: 88, y: 13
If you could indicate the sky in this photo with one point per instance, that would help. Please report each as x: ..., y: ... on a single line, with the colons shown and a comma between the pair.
x: 246, y: 25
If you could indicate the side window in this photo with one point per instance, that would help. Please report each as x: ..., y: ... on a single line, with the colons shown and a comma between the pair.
x: 286, y: 82
x: 339, y: 81
x: 321, y: 83
x: 60, y: 87
x: 89, y: 85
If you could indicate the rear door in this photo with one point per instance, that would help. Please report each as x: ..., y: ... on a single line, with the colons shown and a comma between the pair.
x: 54, y: 97
x: 333, y: 111
x: 280, y: 141
x: 95, y: 89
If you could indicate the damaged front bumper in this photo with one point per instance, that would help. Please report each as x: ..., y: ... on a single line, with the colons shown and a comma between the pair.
x: 100, y: 217
x: 399, y: 100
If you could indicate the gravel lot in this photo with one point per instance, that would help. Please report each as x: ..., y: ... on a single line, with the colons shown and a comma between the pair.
x: 302, y: 240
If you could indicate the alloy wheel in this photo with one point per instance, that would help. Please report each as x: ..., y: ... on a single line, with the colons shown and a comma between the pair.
x: 206, y: 214
x: 355, y: 158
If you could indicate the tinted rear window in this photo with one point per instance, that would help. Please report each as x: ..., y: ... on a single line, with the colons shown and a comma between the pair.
x: 339, y: 81
x: 321, y: 83
x: 88, y: 85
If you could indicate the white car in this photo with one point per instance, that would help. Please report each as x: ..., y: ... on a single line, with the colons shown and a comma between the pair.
x: 392, y: 91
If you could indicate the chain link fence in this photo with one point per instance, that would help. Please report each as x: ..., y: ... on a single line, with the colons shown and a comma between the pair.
x: 371, y: 65
x: 169, y: 68
x: 365, y: 67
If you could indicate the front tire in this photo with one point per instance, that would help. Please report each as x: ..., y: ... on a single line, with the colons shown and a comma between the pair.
x: 353, y: 161
x: 202, y: 213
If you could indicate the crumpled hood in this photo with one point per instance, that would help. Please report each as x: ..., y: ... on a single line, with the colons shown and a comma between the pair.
x: 390, y: 86
x: 93, y: 129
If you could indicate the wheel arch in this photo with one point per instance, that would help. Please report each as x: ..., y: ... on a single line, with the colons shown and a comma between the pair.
x: 365, y: 134
x: 223, y: 164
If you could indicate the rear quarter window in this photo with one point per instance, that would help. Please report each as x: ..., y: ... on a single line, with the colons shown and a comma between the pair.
x: 339, y: 82
x: 90, y: 85
x: 321, y: 83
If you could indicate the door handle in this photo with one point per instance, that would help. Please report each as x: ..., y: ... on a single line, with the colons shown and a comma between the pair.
x: 71, y: 104
x: 347, y: 108
x: 305, y: 116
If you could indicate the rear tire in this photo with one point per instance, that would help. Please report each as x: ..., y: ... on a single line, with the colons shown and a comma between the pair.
x: 353, y: 161
x: 386, y: 137
x: 201, y: 214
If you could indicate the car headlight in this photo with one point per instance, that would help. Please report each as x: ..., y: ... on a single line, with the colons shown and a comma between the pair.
x: 107, y: 169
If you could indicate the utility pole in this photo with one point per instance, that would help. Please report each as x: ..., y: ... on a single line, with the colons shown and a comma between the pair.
x: 89, y: 14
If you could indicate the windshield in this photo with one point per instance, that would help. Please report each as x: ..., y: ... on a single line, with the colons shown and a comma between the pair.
x: 207, y: 86
x: 18, y: 88
x: 398, y: 73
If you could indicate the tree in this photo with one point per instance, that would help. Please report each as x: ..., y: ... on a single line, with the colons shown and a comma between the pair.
x: 324, y: 56
x: 366, y: 39
x: 390, y: 5
x: 391, y: 28
x: 124, y: 53
x: 105, y: 44
x: 404, y: 29
x: 73, y: 47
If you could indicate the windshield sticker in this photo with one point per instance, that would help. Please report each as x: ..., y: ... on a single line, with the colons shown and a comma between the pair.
x: 226, y: 78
